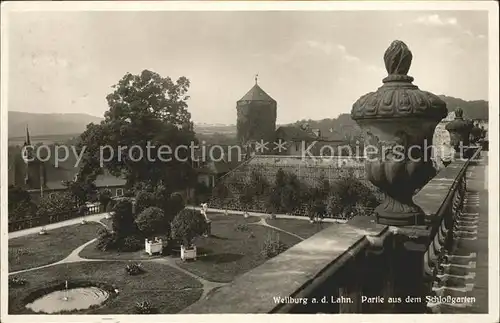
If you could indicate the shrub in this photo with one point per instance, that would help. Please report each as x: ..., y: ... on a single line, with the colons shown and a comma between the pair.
x: 110, y: 206
x: 106, y: 240
x: 273, y: 246
x: 290, y: 195
x: 17, y: 282
x: 187, y: 225
x: 247, y: 195
x: 134, y: 269
x: 81, y: 191
x: 59, y: 203
x: 258, y: 182
x: 334, y: 205
x: 242, y: 227
x: 175, y: 205
x: 123, y: 219
x: 20, y: 205
x: 351, y: 190
x: 144, y: 307
x: 105, y: 198
x: 82, y: 210
x: 129, y: 192
x: 152, y: 221
x: 221, y: 191
x: 130, y: 243
x: 143, y: 200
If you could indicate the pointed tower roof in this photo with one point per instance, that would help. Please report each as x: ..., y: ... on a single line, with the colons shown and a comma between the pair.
x: 27, y: 140
x: 256, y: 93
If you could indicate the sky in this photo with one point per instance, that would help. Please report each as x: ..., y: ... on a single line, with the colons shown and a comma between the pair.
x: 314, y: 64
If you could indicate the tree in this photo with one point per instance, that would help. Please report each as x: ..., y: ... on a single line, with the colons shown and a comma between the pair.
x: 334, y: 205
x: 352, y: 191
x: 221, y: 191
x: 81, y: 190
x: 56, y: 204
x: 123, y: 220
x: 143, y: 200
x: 246, y: 196
x: 258, y: 182
x: 20, y: 205
x: 105, y: 198
x: 152, y: 221
x: 273, y: 201
x: 144, y: 108
x: 291, y: 193
x: 187, y: 225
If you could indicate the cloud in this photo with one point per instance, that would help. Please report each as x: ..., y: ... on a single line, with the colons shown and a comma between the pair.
x: 332, y: 49
x: 436, y: 20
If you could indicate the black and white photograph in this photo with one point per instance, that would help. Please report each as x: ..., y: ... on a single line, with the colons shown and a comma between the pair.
x: 166, y: 158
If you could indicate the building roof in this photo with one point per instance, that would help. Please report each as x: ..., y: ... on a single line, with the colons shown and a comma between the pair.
x: 256, y: 93
x: 294, y: 133
x: 219, y: 161
x: 332, y: 135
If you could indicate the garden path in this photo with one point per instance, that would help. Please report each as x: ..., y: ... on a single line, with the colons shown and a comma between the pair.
x: 74, y: 256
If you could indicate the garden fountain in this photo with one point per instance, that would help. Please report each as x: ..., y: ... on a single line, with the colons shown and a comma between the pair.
x: 69, y: 299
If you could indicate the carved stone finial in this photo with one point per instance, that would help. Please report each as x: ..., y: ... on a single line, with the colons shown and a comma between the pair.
x: 459, y: 113
x: 398, y: 58
x: 397, y: 117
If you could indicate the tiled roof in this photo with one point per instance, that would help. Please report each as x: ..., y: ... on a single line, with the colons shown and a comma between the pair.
x: 219, y: 160
x: 331, y: 136
x: 257, y: 94
x: 294, y: 133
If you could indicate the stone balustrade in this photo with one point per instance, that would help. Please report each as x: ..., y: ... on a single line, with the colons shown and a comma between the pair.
x: 358, y: 267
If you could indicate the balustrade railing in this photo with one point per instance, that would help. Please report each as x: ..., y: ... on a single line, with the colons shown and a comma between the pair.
x: 360, y: 266
x: 446, y: 231
x: 52, y: 218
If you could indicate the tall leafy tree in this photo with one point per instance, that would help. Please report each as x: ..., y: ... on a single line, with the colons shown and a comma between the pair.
x: 143, y: 108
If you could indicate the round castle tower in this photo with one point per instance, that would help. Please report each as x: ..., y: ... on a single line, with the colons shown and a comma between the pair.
x: 256, y: 116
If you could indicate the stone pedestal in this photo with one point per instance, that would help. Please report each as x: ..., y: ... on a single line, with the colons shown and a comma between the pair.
x: 208, y: 230
x: 402, y: 273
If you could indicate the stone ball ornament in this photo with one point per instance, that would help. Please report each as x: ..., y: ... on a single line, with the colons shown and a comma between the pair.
x: 399, y: 121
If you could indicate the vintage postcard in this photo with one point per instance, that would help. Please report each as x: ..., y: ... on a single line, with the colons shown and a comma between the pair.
x: 206, y: 161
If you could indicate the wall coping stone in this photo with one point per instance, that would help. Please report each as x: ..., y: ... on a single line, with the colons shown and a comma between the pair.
x: 296, y: 268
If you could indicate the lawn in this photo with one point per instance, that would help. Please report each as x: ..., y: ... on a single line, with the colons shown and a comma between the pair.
x: 168, y: 289
x: 302, y: 228
x: 90, y: 252
x: 37, y: 250
x: 229, y: 253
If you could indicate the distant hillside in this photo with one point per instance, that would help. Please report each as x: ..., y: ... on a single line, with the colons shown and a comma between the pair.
x: 43, y: 124
x: 477, y: 109
x: 346, y: 126
x: 55, y: 127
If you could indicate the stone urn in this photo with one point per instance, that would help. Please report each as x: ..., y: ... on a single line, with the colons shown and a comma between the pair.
x: 460, y: 130
x: 399, y: 121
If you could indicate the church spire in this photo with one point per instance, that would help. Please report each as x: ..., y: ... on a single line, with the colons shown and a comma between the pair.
x: 256, y: 78
x: 27, y: 140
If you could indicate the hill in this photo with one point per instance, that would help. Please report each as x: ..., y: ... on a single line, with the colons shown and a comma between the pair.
x: 343, y: 124
x: 477, y: 109
x: 44, y: 124
x: 51, y: 127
